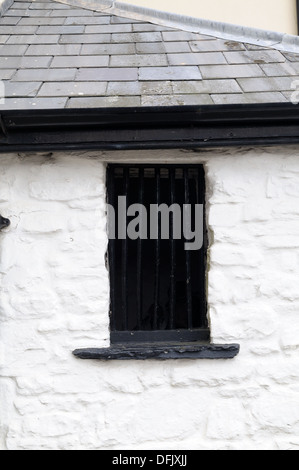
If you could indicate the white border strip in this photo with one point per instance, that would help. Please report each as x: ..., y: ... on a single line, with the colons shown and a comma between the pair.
x: 5, y: 5
x: 280, y: 41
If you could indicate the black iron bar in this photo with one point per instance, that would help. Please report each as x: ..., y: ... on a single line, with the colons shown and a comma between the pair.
x: 172, y: 253
x: 158, y: 252
x: 125, y: 260
x: 188, y: 259
x: 111, y: 250
x: 139, y: 256
x: 203, y: 250
x: 200, y: 197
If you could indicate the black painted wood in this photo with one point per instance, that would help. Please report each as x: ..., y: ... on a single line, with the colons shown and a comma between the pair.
x: 172, y: 299
x: 162, y: 336
x: 161, y: 352
x: 149, y: 127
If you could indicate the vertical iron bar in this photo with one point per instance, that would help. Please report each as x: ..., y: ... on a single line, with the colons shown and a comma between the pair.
x: 202, y: 252
x: 139, y: 257
x: 111, y: 248
x: 125, y: 260
x: 172, y: 253
x: 297, y: 6
x: 188, y: 260
x: 157, y: 257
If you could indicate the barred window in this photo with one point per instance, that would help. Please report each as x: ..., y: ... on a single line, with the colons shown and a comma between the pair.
x: 157, y: 254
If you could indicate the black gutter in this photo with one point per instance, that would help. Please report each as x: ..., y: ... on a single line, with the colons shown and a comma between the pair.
x: 149, y: 128
x: 297, y: 5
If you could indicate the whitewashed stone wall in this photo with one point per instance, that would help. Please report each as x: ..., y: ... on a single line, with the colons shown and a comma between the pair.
x: 54, y: 298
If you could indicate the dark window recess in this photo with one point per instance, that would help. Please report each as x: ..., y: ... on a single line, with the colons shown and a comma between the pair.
x: 157, y: 287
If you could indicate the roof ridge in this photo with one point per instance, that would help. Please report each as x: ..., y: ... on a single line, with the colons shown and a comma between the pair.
x: 272, y: 39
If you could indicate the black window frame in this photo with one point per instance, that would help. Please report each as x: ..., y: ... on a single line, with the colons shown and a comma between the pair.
x: 185, y: 269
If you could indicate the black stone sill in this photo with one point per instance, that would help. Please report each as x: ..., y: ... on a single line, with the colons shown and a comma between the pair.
x: 161, y: 352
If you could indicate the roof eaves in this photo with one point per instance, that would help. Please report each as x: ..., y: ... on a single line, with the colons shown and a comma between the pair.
x: 187, y: 127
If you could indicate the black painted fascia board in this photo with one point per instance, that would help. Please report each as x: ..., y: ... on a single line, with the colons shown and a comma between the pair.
x: 149, y: 127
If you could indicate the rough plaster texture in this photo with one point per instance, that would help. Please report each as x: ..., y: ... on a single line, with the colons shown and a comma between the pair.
x: 54, y: 298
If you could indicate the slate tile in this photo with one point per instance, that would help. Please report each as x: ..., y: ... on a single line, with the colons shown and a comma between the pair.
x: 20, y: 29
x: 3, y: 38
x: 6, y: 74
x: 179, y: 36
x: 80, y: 61
x: 142, y: 60
x: 231, y: 71
x: 267, y: 84
x: 107, y: 74
x: 48, y: 6
x: 33, y: 39
x: 21, y: 5
x: 150, y: 48
x: 170, y: 73
x: 146, y: 27
x: 105, y: 102
x: 34, y: 103
x: 20, y: 89
x: 87, y: 20
x: 136, y: 37
x: 9, y: 21
x: 245, y: 98
x: 206, y: 86
x: 25, y: 62
x: 111, y: 28
x: 291, y: 57
x: 139, y: 88
x: 281, y: 70
x: 107, y: 49
x: 216, y: 45
x: 60, y: 30
x: 45, y: 75
x: 28, y: 13
x: 73, y: 89
x: 12, y: 50
x: 85, y: 39
x: 70, y: 12
x: 254, y: 57
x: 176, y: 47
x: 53, y: 50
x: 120, y: 20
x: 176, y: 100
x: 204, y: 58
x: 255, y: 47
x: 41, y: 21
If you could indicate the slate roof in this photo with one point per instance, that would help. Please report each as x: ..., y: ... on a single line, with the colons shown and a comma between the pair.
x: 54, y: 56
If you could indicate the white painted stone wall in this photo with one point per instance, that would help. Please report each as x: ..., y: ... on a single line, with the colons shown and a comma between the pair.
x: 54, y: 298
